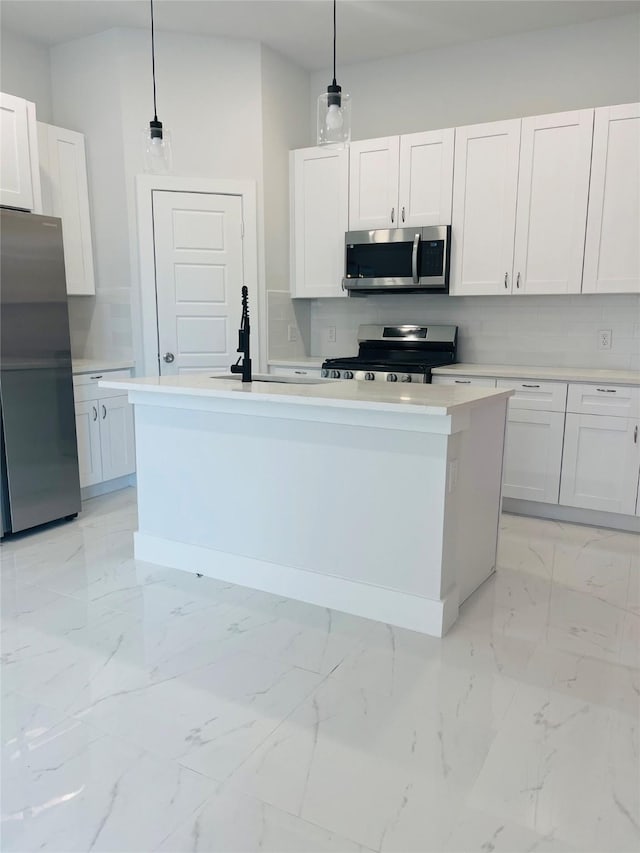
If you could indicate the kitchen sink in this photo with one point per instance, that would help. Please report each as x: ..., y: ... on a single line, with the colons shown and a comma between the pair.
x: 281, y: 380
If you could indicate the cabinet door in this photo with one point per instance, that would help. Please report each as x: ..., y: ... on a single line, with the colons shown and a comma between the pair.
x: 611, y: 256
x: 532, y: 455
x: 485, y: 186
x: 600, y: 463
x: 319, y: 219
x: 553, y: 190
x: 16, y: 185
x: 426, y: 178
x: 64, y: 175
x: 88, y: 433
x: 116, y: 437
x: 373, y: 183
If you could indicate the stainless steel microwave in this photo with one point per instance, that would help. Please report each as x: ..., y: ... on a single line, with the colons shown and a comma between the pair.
x: 398, y: 260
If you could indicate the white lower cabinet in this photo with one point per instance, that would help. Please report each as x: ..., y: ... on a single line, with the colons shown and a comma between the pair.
x: 88, y: 436
x: 117, y: 445
x: 106, y: 445
x: 533, y: 455
x: 600, y: 463
x: 295, y: 370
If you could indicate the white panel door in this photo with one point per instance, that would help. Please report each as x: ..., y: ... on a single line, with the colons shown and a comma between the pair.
x: 199, y: 277
x: 66, y: 193
x: 533, y: 455
x: 373, y: 183
x: 88, y: 435
x: 612, y: 248
x: 485, y: 186
x: 600, y: 463
x: 553, y: 190
x: 319, y: 218
x: 426, y: 178
x: 16, y: 185
x: 117, y: 443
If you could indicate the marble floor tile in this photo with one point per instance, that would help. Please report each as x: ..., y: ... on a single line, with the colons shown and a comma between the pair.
x: 145, y: 708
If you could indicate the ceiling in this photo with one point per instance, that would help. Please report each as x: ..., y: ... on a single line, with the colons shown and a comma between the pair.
x: 301, y: 29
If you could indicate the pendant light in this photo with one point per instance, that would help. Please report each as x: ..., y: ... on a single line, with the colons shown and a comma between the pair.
x: 157, y: 157
x: 334, y: 108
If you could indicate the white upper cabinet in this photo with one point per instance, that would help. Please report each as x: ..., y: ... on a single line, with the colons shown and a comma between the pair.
x: 612, y: 249
x: 426, y: 178
x: 373, y: 183
x: 19, y: 181
x: 63, y: 171
x: 485, y: 189
x: 401, y: 181
x: 553, y: 189
x: 319, y: 210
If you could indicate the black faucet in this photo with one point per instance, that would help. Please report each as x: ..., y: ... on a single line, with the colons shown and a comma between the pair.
x: 244, y: 340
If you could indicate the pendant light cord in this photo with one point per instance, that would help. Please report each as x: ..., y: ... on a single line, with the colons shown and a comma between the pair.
x: 334, y: 41
x: 153, y: 65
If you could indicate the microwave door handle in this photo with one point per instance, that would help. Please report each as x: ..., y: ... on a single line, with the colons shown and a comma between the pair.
x: 414, y: 258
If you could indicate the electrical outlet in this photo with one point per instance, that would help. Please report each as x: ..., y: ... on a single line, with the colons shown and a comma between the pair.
x: 292, y: 333
x: 604, y: 339
x: 331, y: 334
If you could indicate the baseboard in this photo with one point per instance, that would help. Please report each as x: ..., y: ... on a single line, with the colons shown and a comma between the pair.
x: 576, y: 515
x: 98, y: 489
x: 425, y: 615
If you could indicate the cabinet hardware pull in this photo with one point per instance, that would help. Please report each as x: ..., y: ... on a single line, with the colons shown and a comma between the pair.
x: 104, y: 412
x: 95, y: 413
x: 463, y: 381
x: 96, y: 377
x: 524, y: 385
x: 403, y: 213
x: 607, y: 390
x: 506, y: 280
x: 301, y: 372
x: 393, y: 214
x: 518, y: 281
x: 635, y: 435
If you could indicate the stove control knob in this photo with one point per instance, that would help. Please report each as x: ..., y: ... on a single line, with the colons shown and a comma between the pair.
x: 391, y: 377
x: 369, y: 375
x: 348, y: 374
x: 335, y: 374
x: 325, y: 372
x: 406, y: 377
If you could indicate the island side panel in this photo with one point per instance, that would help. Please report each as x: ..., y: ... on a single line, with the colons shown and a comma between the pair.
x: 473, y: 500
x: 363, y: 504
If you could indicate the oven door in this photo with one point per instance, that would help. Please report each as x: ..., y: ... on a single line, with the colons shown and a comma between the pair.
x: 410, y: 260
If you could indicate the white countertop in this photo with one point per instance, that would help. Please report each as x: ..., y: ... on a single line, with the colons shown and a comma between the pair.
x: 303, y: 361
x: 98, y: 365
x: 423, y: 399
x: 560, y: 374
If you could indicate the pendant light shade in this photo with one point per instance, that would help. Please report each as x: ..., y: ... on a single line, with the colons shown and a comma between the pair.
x: 157, y: 152
x: 334, y: 108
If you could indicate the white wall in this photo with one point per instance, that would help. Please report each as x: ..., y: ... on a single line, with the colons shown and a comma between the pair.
x: 25, y: 71
x: 285, y: 98
x: 209, y: 98
x: 550, y: 70
x: 565, y: 68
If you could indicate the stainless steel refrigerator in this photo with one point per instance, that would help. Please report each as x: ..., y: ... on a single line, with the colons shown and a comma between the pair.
x: 38, y: 453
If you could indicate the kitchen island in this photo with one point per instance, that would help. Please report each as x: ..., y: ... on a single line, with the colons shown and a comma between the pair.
x: 380, y: 500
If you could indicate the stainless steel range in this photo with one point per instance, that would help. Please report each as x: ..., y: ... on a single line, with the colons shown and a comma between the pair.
x: 396, y: 354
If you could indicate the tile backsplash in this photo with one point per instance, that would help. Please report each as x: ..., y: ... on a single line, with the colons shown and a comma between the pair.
x: 546, y: 330
x: 282, y: 313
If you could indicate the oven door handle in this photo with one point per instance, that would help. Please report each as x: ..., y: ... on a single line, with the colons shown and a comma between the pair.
x: 414, y: 258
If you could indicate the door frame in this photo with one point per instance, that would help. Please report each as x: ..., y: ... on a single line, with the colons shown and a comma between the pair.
x: 147, y: 309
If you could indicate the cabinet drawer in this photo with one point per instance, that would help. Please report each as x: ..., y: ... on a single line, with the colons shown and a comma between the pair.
x: 85, y: 385
x: 534, y: 395
x: 479, y: 381
x: 604, y: 399
x: 295, y: 371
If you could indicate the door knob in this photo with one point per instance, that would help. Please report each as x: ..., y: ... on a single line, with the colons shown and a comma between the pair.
x: 168, y: 357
